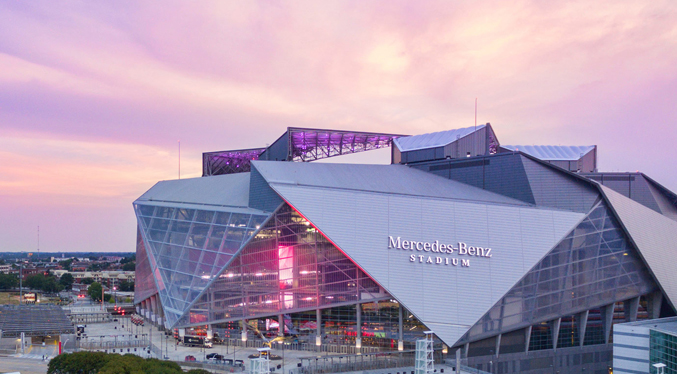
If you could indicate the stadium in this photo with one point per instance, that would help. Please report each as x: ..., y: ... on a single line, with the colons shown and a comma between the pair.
x: 521, y: 257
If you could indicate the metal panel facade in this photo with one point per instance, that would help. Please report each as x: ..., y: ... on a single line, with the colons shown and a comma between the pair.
x: 655, y: 236
x: 435, y: 287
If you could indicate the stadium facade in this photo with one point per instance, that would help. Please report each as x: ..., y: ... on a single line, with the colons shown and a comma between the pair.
x: 522, y: 257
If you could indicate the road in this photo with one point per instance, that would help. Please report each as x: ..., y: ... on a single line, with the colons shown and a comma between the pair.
x: 23, y: 365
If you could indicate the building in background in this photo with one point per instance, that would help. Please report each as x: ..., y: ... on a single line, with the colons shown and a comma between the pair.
x: 640, y: 346
x: 522, y: 258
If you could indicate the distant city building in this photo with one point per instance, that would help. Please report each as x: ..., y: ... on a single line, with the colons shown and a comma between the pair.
x: 107, y: 277
x: 522, y: 258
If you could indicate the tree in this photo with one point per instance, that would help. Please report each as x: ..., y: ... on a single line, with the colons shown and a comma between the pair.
x: 66, y: 264
x: 126, y: 286
x: 8, y: 281
x: 87, y: 281
x: 106, y: 363
x: 94, y: 291
x: 51, y: 285
x: 130, y: 266
x: 67, y: 281
x: 35, y: 281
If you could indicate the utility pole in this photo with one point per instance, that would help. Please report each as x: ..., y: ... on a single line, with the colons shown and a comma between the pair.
x: 21, y: 281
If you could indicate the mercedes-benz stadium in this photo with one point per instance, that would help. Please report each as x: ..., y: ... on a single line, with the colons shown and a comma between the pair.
x: 522, y: 257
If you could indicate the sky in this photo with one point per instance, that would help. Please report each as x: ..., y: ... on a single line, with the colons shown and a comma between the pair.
x: 96, y: 96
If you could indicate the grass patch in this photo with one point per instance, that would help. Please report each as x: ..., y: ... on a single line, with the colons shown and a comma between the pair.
x: 9, y: 298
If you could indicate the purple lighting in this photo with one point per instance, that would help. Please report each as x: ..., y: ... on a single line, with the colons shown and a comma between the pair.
x: 297, y: 144
x: 314, y: 144
x: 216, y: 163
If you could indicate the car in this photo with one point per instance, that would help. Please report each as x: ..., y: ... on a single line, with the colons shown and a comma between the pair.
x: 211, y: 356
x: 190, y: 358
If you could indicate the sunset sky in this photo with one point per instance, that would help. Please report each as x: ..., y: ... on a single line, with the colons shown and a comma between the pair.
x: 94, y: 96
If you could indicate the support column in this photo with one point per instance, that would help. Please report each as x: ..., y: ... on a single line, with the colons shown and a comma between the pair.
x: 607, y: 321
x: 318, y: 328
x: 582, y: 324
x: 358, y: 336
x: 655, y: 301
x: 498, y: 343
x: 400, y: 336
x: 467, y: 348
x: 243, y: 334
x: 280, y: 327
x: 528, y: 339
x: 631, y: 307
x: 555, y: 332
x: 458, y: 361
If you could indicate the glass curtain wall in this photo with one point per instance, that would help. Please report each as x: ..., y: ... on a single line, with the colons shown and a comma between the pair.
x: 144, y: 285
x: 187, y: 248
x: 594, y: 265
x: 289, y: 266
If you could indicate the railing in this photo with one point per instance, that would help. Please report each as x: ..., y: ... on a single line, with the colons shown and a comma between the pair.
x: 93, y: 344
x: 361, y: 362
x: 466, y: 369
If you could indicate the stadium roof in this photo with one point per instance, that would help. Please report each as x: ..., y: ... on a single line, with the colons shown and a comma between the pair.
x: 433, y: 139
x: 389, y: 179
x: 553, y: 152
x: 34, y: 320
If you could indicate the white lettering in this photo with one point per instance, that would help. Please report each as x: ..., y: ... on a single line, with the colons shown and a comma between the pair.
x: 426, y: 247
x: 471, y: 251
x: 438, y: 260
x: 392, y: 243
x: 417, y: 248
x: 420, y: 258
x: 430, y: 260
x: 405, y: 244
x: 454, y: 262
x: 465, y: 263
x: 488, y: 253
x: 412, y: 258
x: 435, y: 246
x: 462, y: 250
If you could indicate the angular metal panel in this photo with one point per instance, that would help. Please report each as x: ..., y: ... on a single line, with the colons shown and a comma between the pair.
x: 555, y: 189
x: 655, y: 237
x: 427, y: 286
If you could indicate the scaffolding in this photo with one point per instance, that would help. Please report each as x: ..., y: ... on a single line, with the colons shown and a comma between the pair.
x: 424, y: 355
x: 260, y: 365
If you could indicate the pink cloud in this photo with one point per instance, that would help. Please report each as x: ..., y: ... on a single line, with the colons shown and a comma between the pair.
x: 94, y: 96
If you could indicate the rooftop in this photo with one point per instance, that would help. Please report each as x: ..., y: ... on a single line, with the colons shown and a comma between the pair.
x: 433, y: 139
x: 553, y: 152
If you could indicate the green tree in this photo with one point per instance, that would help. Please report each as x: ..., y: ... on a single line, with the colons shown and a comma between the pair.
x: 126, y: 286
x: 79, y: 362
x: 51, y: 285
x: 130, y: 266
x: 94, y: 291
x: 35, y: 281
x: 105, y: 363
x: 67, y: 281
x: 87, y: 281
x: 8, y: 281
x: 66, y: 264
